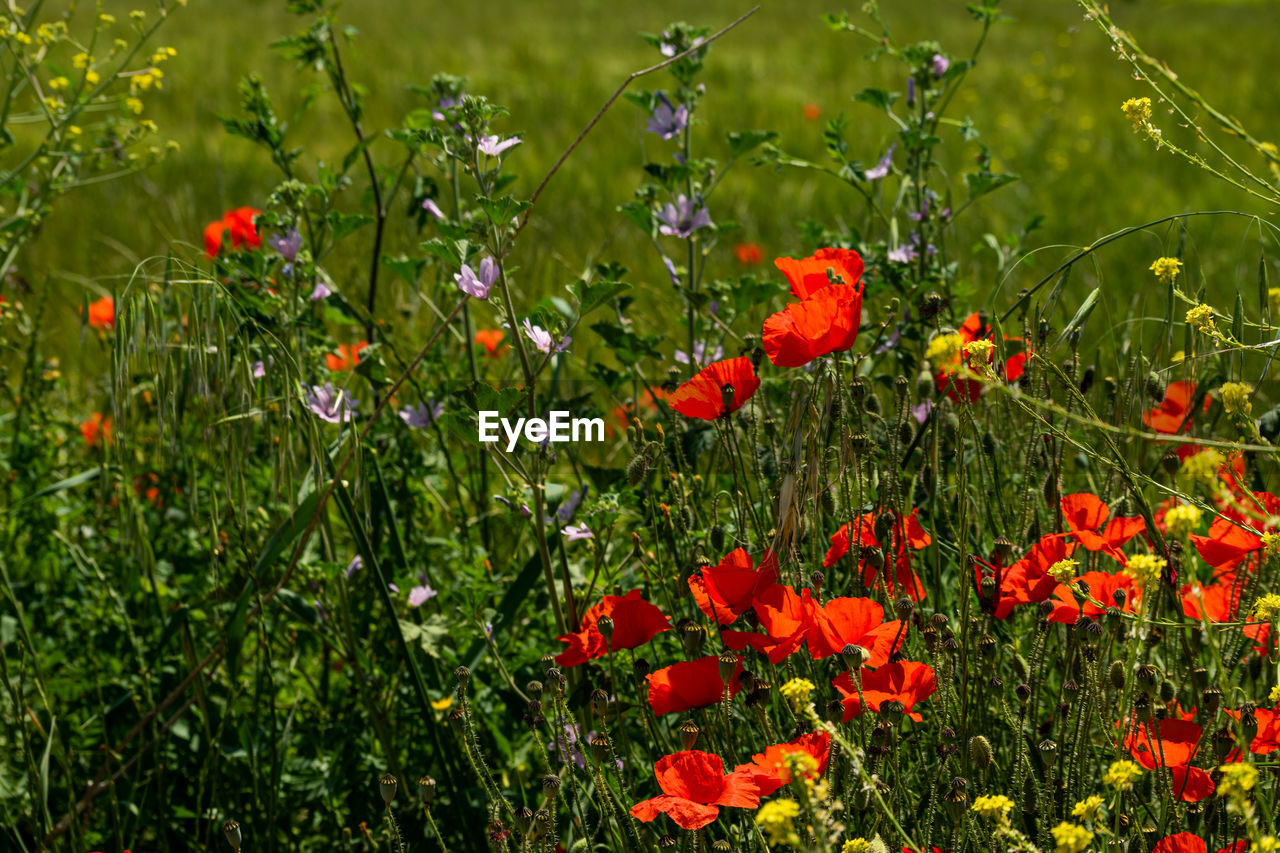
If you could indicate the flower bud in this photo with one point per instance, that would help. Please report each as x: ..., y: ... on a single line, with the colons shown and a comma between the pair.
x: 980, y: 753
x: 387, y: 784
x: 231, y: 832
x: 728, y: 663
x: 427, y: 791
x: 463, y: 675
x: 689, y: 732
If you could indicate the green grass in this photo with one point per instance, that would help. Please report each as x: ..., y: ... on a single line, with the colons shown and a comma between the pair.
x: 1046, y: 97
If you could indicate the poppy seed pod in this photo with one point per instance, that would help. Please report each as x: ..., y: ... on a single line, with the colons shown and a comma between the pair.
x: 987, y: 645
x: 689, y: 732
x: 524, y: 819
x: 1146, y: 676
x: 231, y: 832
x: 458, y: 719
x: 1248, y: 723
x: 387, y: 785
x: 550, y: 785
x: 835, y: 711
x: 995, y: 683
x: 904, y: 607
x: 691, y: 636
x: 853, y: 656
x: 463, y: 675
x: 746, y: 680
x: 980, y: 753
x: 1167, y: 691
x: 720, y: 846
x: 892, y: 711
x: 641, y: 668
x: 1115, y: 674
x: 541, y: 823
x: 667, y: 842
x: 535, y: 706
x: 552, y: 682
x: 1023, y: 692
x: 816, y: 579
x: 930, y: 305
x: 600, y: 747
x: 728, y: 663
x: 956, y: 803
x: 1048, y: 749
x: 427, y: 791
x: 599, y: 702
x: 548, y: 663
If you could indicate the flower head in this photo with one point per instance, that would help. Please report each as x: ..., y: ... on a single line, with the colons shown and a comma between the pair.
x: 777, y: 820
x: 420, y: 595
x: 1200, y: 317
x: 1235, y: 397
x: 939, y: 64
x: 1088, y: 808
x: 1070, y: 838
x: 993, y: 806
x: 102, y: 313
x: 1146, y: 568
x: 477, y: 285
x: 1137, y: 111
x: 797, y: 691
x: 320, y: 291
x: 694, y: 786
x: 238, y: 226
x: 494, y: 146
x: 345, y: 357
x: 719, y: 389
x: 1237, y: 781
x: 1181, y: 519
x: 422, y: 415
x: 683, y: 217
x: 1121, y: 775
x: 329, y: 405
x: 1166, y: 269
x: 287, y: 245
x: 574, y: 532
x: 668, y: 121
x: 1267, y: 607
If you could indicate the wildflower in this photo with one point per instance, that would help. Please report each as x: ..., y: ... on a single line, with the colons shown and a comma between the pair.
x: 905, y: 682
x: 423, y: 415
x: 442, y: 704
x: 1102, y: 587
x: 770, y: 770
x: 979, y: 351
x: 945, y: 360
x: 1181, y: 519
x: 320, y: 291
x: 824, y: 323
x: 824, y: 267
x: 1183, y: 842
x: 102, y: 313
x: 1174, y: 412
x: 797, y: 692
x: 477, y: 286
x: 1274, y: 695
x: 855, y: 845
x: 728, y: 589
x: 1171, y: 744
x: 1137, y: 111
x: 701, y: 354
x: 812, y: 111
x: 1028, y: 580
x: 852, y: 621
x: 494, y: 146
x: 883, y: 167
x: 133, y: 105
x: 939, y: 64
x: 683, y: 218
x: 719, y: 389
x: 784, y: 617
x: 777, y: 820
x: 356, y: 564
x: 96, y: 429
x: 1237, y: 781
x: 1267, y: 607
x: 1200, y: 317
x: 1064, y: 570
x: 346, y: 356
x: 430, y: 206
x: 237, y: 224
x: 993, y: 806
x: 287, y: 245
x: 1166, y: 269
x: 259, y: 369
x: 1203, y: 467
x: 1085, y: 514
x: 1235, y: 397
x: 1146, y: 568
x: 1088, y: 808
x: 691, y: 684
x: 1265, y: 844
x: 904, y: 536
x: 693, y: 788
x: 944, y: 349
x: 666, y: 121
x: 421, y: 594
x: 491, y: 340
x: 635, y: 622
x: 330, y: 405
x: 1231, y: 540
x: 575, y: 532
x: 1070, y: 838
x: 748, y: 254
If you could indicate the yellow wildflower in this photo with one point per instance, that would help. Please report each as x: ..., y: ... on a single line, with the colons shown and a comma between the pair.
x: 1203, y: 467
x: 1182, y: 519
x: 855, y: 845
x: 777, y: 819
x: 944, y: 349
x: 1088, y: 808
x: 134, y: 105
x: 1265, y: 844
x: 1235, y: 397
x: 1200, y: 317
x: 994, y: 806
x: 1237, y: 781
x: 797, y: 691
x: 979, y: 351
x: 1166, y: 269
x: 1275, y: 694
x: 59, y: 83
x: 1137, y: 111
x: 1064, y: 570
x: 1071, y: 838
x: 442, y: 704
x: 92, y: 77
x: 1267, y: 607
x: 1121, y: 775
x: 81, y: 61
x: 107, y: 19
x: 1146, y: 568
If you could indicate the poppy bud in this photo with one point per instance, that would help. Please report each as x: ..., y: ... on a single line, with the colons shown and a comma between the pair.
x: 987, y: 645
x: 726, y: 396
x: 728, y: 663
x: 828, y: 501
x: 906, y: 432
x: 1155, y: 388
x: 599, y: 702
x: 1023, y: 692
x: 717, y: 537
x: 231, y: 832
x: 605, y: 626
x: 871, y: 405
x: 1171, y: 463
x: 637, y: 468
x: 980, y: 753
x: 427, y: 791
x: 689, y: 732
x: 387, y: 784
x: 816, y: 579
x: 672, y: 381
x: 1116, y: 674
x: 1167, y: 691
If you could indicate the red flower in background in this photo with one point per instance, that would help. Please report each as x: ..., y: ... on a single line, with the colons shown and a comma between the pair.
x: 694, y: 786
x: 784, y: 617
x: 809, y: 275
x: 1267, y: 740
x: 1028, y: 580
x: 1217, y: 602
x: 1238, y: 532
x: 906, y: 535
x: 346, y: 357
x: 96, y: 429
x: 965, y: 390
x: 907, y: 682
x: 689, y: 685
x: 1183, y: 842
x: 635, y: 622
x: 1173, y: 415
x: 491, y: 340
x: 235, y: 224
x: 852, y: 621
x: 1102, y: 587
x: 1085, y: 513
x: 769, y: 771
x: 812, y: 111
x: 1172, y: 744
x: 823, y: 323
x: 748, y: 254
x: 102, y: 313
x: 646, y: 402
x: 704, y: 395
x: 728, y: 589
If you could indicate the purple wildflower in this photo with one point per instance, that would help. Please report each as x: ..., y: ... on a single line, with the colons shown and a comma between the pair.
x: 430, y: 206
x: 356, y: 564
x: 881, y: 169
x: 940, y: 64
x: 701, y: 354
x: 420, y: 595
x: 494, y: 146
x: 446, y: 103
x: 666, y: 121
x: 477, y: 286
x: 683, y: 218
x: 671, y: 270
x: 320, y: 614
x: 902, y: 254
x: 911, y: 91
x: 321, y: 291
x: 577, y: 531
x: 287, y: 244
x: 921, y: 412
x: 423, y: 415
x: 336, y: 407
x: 259, y: 369
x: 393, y: 587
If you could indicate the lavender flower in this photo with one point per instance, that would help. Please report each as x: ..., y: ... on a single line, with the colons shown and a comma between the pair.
x: 940, y: 64
x: 671, y: 270
x: 336, y: 407
x: 902, y: 254
x: 701, y: 354
x: 577, y: 531
x: 921, y: 412
x: 320, y: 614
x: 356, y: 564
x: 446, y: 103
x: 668, y: 122
x: 287, y: 245
x: 421, y: 594
x: 259, y: 369
x: 423, y: 415
x: 542, y: 338
x: 683, y: 218
x: 911, y: 91
x: 881, y: 169
x: 477, y: 286
x: 430, y: 206
x: 494, y: 146
x: 321, y: 292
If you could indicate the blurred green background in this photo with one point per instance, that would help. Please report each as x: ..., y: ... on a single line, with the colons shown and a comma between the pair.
x: 1045, y: 96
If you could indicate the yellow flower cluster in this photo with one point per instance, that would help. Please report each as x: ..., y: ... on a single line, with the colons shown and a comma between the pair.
x: 1275, y: 694
x: 1137, y: 111
x: 1070, y: 838
x: 1267, y: 607
x: 1146, y: 568
x: 1182, y: 519
x: 979, y: 351
x: 797, y: 691
x: 1235, y: 397
x: 1088, y: 808
x: 1166, y: 269
x: 1121, y: 775
x: 1237, y: 781
x: 855, y: 845
x: 1200, y: 317
x: 1203, y: 467
x: 1064, y: 570
x: 994, y: 806
x: 777, y: 819
x: 1265, y: 844
x: 944, y: 349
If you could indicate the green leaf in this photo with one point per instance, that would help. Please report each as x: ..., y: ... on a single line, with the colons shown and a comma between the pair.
x: 628, y: 346
x: 879, y: 98
x: 743, y: 141
x: 981, y: 183
x: 430, y: 636
x: 346, y: 224
x: 591, y: 295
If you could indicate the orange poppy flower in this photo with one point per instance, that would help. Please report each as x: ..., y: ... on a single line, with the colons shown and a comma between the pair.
x: 102, y: 313
x: 346, y: 357
x: 1172, y: 744
x: 748, y: 254
x: 689, y: 685
x: 1267, y: 740
x: 824, y: 323
x: 96, y: 429
x: 694, y: 786
x: 812, y: 111
x: 1236, y: 534
x: 1174, y: 414
x: 1102, y: 587
x: 235, y: 224
x: 1085, y: 513
x: 809, y: 275
x: 704, y: 395
x: 728, y: 589
x: 852, y: 621
x: 635, y: 622
x: 1183, y: 842
x: 769, y: 771
x: 906, y: 534
x: 906, y: 681
x: 784, y: 617
x: 1028, y: 580
x: 491, y: 340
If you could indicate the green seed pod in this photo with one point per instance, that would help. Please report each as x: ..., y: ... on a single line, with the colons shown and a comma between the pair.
x: 1048, y: 750
x: 1211, y: 699
x: 637, y: 468
x: 457, y: 719
x: 956, y: 803
x: 691, y: 637
x: 387, y: 784
x: 550, y: 785
x: 600, y: 747
x: 231, y: 832
x: 599, y: 702
x: 524, y: 819
x: 1115, y: 674
x: 980, y: 753
x: 892, y: 711
x: 853, y: 656
x: 728, y: 663
x: 871, y: 405
x: 827, y: 499
x: 689, y: 732
x: 717, y: 537
x: 463, y: 675
x: 541, y: 824
x: 1224, y: 743
x: 667, y: 842
x: 427, y: 791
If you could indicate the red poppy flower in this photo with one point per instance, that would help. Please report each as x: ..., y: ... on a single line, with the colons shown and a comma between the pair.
x: 1183, y: 842
x: 635, y: 622
x: 1238, y: 532
x: 346, y: 357
x: 769, y: 771
x: 1174, y: 414
x: 1085, y: 513
x: 1028, y: 580
x: 1191, y: 784
x: 102, y: 313
x: 824, y: 323
x: 728, y: 589
x: 812, y: 111
x: 906, y: 681
x: 703, y: 396
x: 1238, y: 847
x: 689, y: 685
x: 852, y: 621
x: 748, y: 254
x: 646, y: 402
x: 967, y: 390
x: 1103, y: 587
x: 96, y: 429
x: 238, y: 226
x: 1172, y: 744
x: 1217, y: 602
x: 784, y: 617
x: 694, y: 786
x: 1267, y: 740
x: 811, y: 274
x: 491, y: 340
x: 906, y: 534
